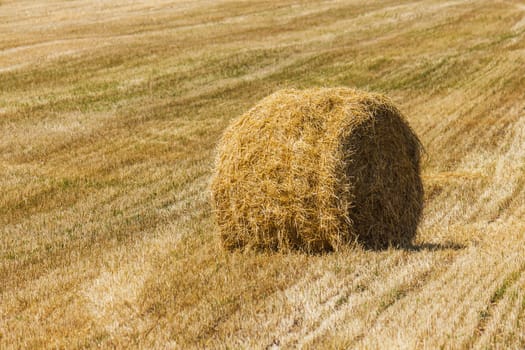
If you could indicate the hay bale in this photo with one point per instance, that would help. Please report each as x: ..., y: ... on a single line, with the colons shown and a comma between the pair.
x: 315, y: 169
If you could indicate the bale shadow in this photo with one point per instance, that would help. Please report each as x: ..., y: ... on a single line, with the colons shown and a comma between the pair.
x: 432, y: 247
x: 411, y: 247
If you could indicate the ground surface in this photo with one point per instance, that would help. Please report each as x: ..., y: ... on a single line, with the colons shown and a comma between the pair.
x: 109, y: 114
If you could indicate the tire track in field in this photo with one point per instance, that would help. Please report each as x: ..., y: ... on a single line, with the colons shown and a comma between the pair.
x: 487, y: 314
x: 390, y: 297
x: 355, y: 322
x: 382, y: 292
x: 302, y: 305
x: 316, y: 316
x: 521, y: 323
x: 448, y: 307
x: 500, y: 328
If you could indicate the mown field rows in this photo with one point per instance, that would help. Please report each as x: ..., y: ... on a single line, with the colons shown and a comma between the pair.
x: 109, y: 116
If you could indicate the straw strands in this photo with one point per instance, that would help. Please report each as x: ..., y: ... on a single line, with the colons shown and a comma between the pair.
x: 315, y: 169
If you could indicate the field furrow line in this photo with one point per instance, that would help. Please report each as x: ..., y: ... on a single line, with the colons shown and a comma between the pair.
x: 497, y: 326
x: 358, y: 311
x: 449, y: 306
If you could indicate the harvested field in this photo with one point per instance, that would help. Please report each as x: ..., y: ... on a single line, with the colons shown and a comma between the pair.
x: 110, y: 113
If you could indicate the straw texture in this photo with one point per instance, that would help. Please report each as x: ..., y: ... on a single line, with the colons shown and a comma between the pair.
x: 315, y: 169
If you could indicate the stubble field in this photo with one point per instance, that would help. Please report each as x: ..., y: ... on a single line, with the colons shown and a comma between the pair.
x: 109, y: 115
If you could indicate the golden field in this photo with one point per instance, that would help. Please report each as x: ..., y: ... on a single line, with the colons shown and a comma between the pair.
x: 110, y: 112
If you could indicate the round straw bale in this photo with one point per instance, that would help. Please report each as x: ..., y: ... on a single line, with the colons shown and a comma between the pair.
x: 315, y: 169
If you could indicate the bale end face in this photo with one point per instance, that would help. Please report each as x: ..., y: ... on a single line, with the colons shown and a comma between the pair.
x: 316, y: 169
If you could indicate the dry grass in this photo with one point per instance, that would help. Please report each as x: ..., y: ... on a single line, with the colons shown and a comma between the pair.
x: 317, y: 169
x: 109, y: 115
